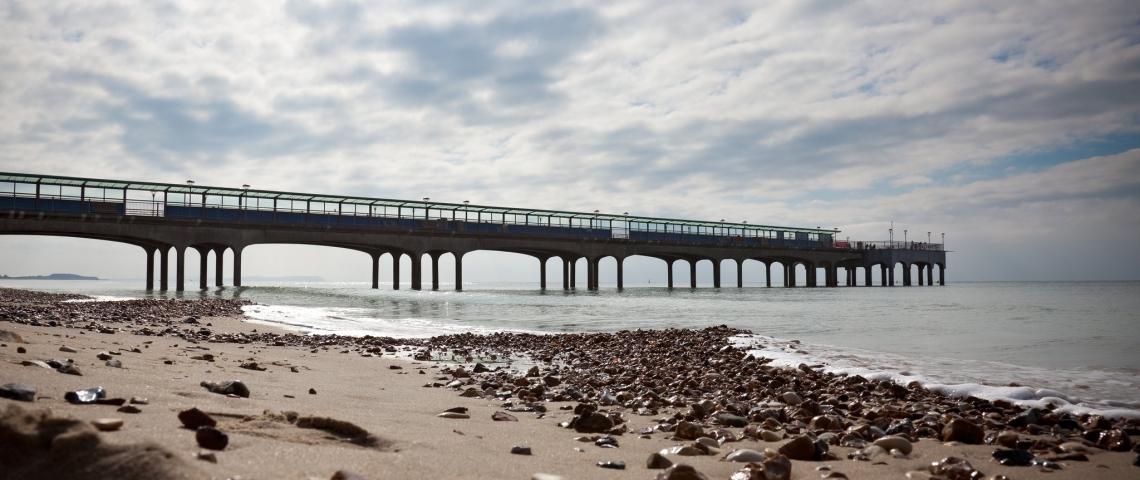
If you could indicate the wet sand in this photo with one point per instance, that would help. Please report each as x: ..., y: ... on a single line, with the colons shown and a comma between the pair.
x: 362, y: 381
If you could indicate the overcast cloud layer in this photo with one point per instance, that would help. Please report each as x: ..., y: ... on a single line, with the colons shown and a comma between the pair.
x: 1014, y: 127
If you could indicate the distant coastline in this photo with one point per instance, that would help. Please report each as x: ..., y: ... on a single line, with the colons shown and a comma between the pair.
x: 54, y: 276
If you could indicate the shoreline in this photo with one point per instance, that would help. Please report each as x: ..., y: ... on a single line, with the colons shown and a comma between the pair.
x: 664, y: 383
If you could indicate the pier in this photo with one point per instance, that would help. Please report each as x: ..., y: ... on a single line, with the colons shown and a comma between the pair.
x: 166, y: 219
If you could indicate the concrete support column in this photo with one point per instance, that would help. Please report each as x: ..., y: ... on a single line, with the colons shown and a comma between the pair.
x: 434, y: 270
x: 716, y: 273
x: 219, y: 267
x: 396, y: 257
x: 542, y: 273
x: 565, y: 274
x: 810, y: 272
x: 179, y: 268
x: 574, y: 274
x: 459, y: 271
x: 906, y: 275
x: 417, y: 271
x: 375, y: 270
x: 149, y: 267
x: 237, y: 266
x: 740, y: 274
x: 867, y: 280
x: 942, y: 275
x: 792, y: 275
x: 768, y: 275
x: 692, y: 274
x: 921, y: 281
x: 669, y: 264
x: 883, y: 275
x: 163, y: 262
x: 891, y: 276
x: 620, y: 273
x: 930, y: 275
x: 203, y: 254
x: 591, y: 274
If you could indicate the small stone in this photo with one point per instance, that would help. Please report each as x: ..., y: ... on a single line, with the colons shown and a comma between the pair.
x: 892, y: 442
x: 16, y: 391
x: 70, y: 369
x: 139, y: 401
x: 211, y: 438
x: 312, y: 391
x: 67, y: 349
x: 837, y: 475
x: 114, y: 363
x: 606, y: 441
x: 744, y: 455
x: 1014, y: 457
x: 613, y: 464
x: 681, y: 471
x: 770, y: 436
x: 688, y: 431
x: 791, y: 398
x: 801, y: 448
x: 207, y: 457
x: 252, y: 366
x: 21, y: 350
x: 194, y: 419
x: 228, y: 387
x: 128, y: 409
x: 593, y: 422
x: 471, y: 392
x: 85, y: 396
x: 544, y: 476
x: 520, y: 450
x: 453, y: 415
x: 103, y: 356
x: 395, y: 367
x: 959, y: 430
x: 730, y: 420
x: 952, y: 467
x: 107, y: 424
x: 657, y: 461
x: 503, y: 417
x: 1007, y: 439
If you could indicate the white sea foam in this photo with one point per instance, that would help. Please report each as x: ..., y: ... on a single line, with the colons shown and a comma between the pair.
x: 99, y: 298
x: 352, y: 322
x: 951, y: 377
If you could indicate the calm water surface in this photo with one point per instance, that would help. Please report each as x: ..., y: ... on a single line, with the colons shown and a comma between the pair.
x: 1078, y: 340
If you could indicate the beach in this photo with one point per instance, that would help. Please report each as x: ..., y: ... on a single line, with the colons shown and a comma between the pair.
x: 371, y: 406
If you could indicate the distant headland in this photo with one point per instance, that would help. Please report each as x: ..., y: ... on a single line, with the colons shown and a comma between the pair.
x: 54, y: 276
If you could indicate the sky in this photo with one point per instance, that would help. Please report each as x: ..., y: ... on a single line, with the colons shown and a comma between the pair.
x: 1012, y: 127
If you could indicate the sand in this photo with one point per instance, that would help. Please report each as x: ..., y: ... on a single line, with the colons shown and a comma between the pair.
x: 390, y: 404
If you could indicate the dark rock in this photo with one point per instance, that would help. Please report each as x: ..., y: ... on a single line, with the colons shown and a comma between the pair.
x: 194, y: 418
x: 657, y: 461
x: 503, y: 417
x: 207, y: 456
x: 228, y: 387
x: 614, y: 464
x: 1026, y: 418
x: 954, y: 468
x: 456, y: 410
x: 343, y: 475
x: 115, y: 363
x: 519, y: 450
x: 16, y: 391
x: 730, y: 420
x: 252, y: 366
x: 480, y: 368
x: 959, y: 430
x: 1013, y: 457
x: 211, y: 438
x: 110, y: 401
x: 533, y: 372
x: 85, y: 396
x: 69, y: 368
x: 606, y: 441
x: 551, y: 381
x: 688, y: 431
x: 21, y: 350
x: 592, y: 422
x: 1115, y: 440
x: 67, y: 349
x: 681, y: 471
x: 129, y: 409
x: 312, y: 391
x: 803, y: 448
x: 103, y: 356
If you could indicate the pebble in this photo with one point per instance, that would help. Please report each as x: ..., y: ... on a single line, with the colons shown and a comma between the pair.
x: 803, y: 448
x: 21, y: 350
x: 85, y: 396
x: 211, y: 438
x: 1013, y: 457
x: 688, y: 431
x: 520, y: 450
x: 959, y: 430
x: 730, y: 420
x: 346, y: 475
x: 833, y: 475
x: 791, y: 398
x: 453, y: 415
x: 128, y: 409
x: 544, y: 476
x: 614, y: 464
x: 103, y: 356
x: 207, y: 456
x: 228, y: 387
x: 681, y: 471
x: 67, y: 349
x: 503, y: 417
x: 194, y: 419
x: 744, y: 455
x: 139, y: 401
x: 252, y: 366
x: 312, y: 391
x: 107, y: 424
x: 953, y: 467
x: 116, y: 363
x: 606, y: 441
x: 16, y: 391
x: 657, y: 461
x: 69, y: 368
x: 1007, y: 439
x: 891, y: 442
x: 770, y: 436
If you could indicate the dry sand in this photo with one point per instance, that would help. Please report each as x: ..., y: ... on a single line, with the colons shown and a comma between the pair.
x: 391, y: 404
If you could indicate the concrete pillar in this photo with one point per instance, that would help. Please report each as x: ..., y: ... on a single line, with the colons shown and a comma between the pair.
x: 669, y: 264
x: 768, y: 274
x: 740, y: 274
x: 219, y: 256
x: 542, y: 273
x: 867, y: 280
x: 906, y: 275
x: 591, y: 273
x: 565, y: 274
x: 930, y: 275
x: 920, y: 275
x: 149, y: 267
x: 574, y: 274
x: 692, y: 273
x: 434, y: 270
x: 716, y: 273
x: 179, y: 268
x: 163, y: 262
x: 810, y: 272
x: 620, y: 273
x: 942, y: 275
x: 396, y: 257
x: 375, y: 270
x: 891, y: 276
x: 459, y: 271
x: 237, y: 266
x: 792, y: 275
x: 883, y: 274
x: 203, y: 256
x: 417, y: 271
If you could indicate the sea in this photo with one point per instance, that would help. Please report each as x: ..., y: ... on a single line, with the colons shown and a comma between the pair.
x: 1074, y: 346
